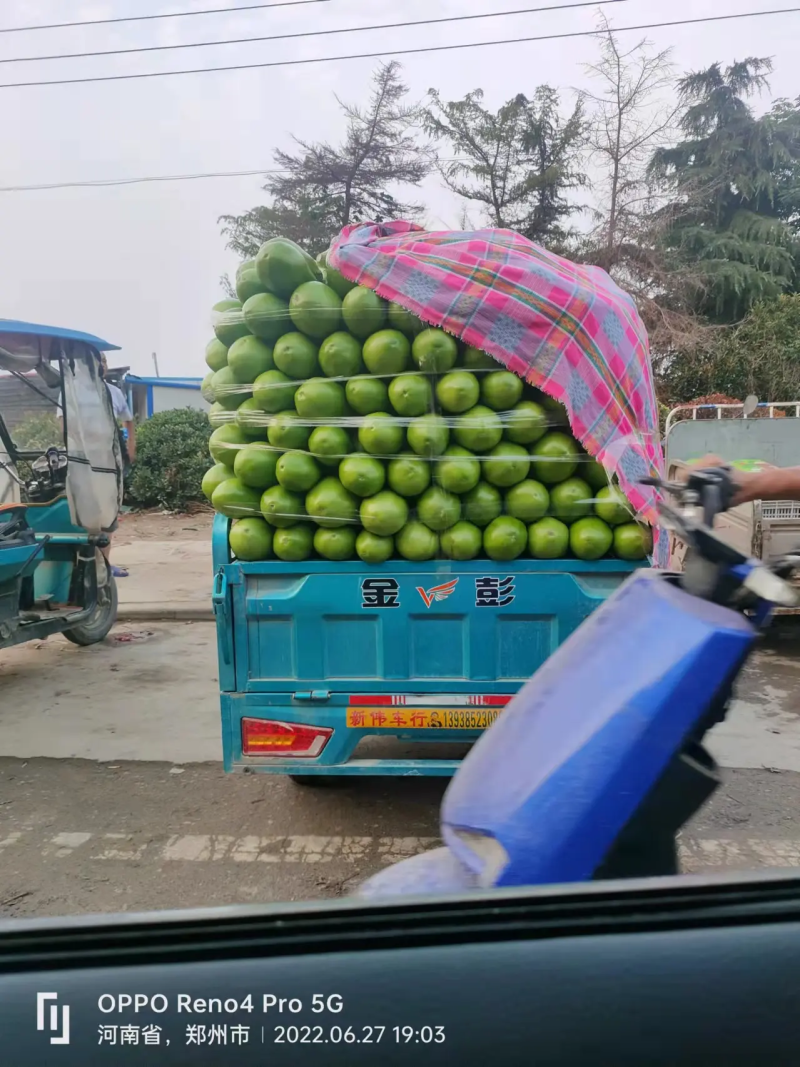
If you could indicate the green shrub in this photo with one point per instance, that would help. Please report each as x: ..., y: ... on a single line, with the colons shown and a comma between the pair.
x: 38, y: 432
x: 171, y: 459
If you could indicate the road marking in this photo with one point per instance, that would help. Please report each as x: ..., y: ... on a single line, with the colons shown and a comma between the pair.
x: 696, y: 853
x: 10, y: 839
x: 197, y: 848
x: 67, y: 843
x: 120, y: 847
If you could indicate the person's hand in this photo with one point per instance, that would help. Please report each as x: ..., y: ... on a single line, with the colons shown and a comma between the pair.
x: 738, y: 478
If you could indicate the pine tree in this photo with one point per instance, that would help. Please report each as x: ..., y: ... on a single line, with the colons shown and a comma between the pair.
x: 324, y: 187
x: 729, y: 219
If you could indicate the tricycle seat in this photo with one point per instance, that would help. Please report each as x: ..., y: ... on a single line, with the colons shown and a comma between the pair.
x: 14, y: 529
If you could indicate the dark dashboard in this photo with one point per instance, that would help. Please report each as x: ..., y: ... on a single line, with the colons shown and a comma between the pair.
x: 672, y: 971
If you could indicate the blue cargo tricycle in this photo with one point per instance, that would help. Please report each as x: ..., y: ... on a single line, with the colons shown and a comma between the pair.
x: 319, y: 660
x: 61, y: 484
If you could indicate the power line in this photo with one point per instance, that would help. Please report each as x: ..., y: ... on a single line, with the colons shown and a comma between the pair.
x: 149, y: 18
x: 102, y: 183
x: 106, y: 183
x: 310, y: 33
x: 394, y: 52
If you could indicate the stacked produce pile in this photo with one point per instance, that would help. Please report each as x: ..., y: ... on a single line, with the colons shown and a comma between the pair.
x: 345, y: 427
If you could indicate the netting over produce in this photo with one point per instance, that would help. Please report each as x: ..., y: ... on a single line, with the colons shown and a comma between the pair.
x: 350, y: 425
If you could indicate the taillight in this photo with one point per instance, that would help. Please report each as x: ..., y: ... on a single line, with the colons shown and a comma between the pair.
x: 268, y: 737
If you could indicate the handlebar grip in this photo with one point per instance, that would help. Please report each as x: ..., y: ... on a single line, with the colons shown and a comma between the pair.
x: 712, y: 504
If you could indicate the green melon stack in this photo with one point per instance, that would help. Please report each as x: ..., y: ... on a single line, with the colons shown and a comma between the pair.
x: 345, y: 427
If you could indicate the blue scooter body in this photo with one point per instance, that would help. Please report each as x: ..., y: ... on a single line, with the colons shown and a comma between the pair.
x: 546, y: 793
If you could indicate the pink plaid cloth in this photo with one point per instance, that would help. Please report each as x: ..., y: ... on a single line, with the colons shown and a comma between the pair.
x: 566, y: 328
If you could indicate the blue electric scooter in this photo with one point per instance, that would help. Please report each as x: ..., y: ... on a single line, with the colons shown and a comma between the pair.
x: 598, y: 761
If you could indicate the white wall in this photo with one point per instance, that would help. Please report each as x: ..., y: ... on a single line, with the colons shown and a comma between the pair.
x: 166, y: 399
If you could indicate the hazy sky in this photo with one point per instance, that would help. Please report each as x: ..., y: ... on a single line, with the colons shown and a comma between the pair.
x: 140, y: 264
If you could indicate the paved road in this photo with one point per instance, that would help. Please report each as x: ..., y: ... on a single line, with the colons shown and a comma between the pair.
x: 112, y: 797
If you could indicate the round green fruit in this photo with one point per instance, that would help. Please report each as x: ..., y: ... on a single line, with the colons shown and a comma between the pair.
x: 505, y: 538
x: 340, y: 355
x: 294, y: 544
x: 594, y: 473
x: 367, y: 395
x: 227, y: 391
x: 225, y: 442
x: 384, y: 514
x: 288, y: 431
x: 220, y: 416
x: 255, y: 466
x: 274, y: 391
x: 213, y: 477
x: 428, y: 435
x: 438, y: 509
x: 330, y: 505
x: 248, y: 282
x: 267, y: 317
x: 458, y: 470
x: 548, y: 539
x: 571, y: 500
x: 380, y: 435
x: 527, y: 501
x: 296, y: 356
x: 216, y: 354
x: 316, y: 309
x: 409, y: 475
x: 335, y: 544
x: 251, y: 420
x: 319, y: 398
x: 229, y: 324
x: 632, y: 541
x: 282, y: 266
x: 417, y: 543
x: 410, y: 395
x: 458, y: 391
x: 475, y: 359
x: 479, y: 430
x: 434, y: 351
x: 501, y: 390
x: 363, y: 311
x: 555, y: 458
x: 405, y: 321
x: 282, y: 508
x: 462, y: 541
x: 329, y: 444
x: 386, y: 353
x: 482, y: 504
x: 590, y: 538
x: 235, y: 499
x: 506, y: 465
x: 250, y: 540
x: 612, y: 506
x: 337, y: 281
x: 374, y: 549
x: 362, y: 475
x: 297, y: 471
x: 525, y: 423
x: 206, y: 391
x: 248, y: 357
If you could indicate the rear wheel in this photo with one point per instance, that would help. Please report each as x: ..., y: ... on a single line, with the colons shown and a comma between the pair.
x: 97, y: 626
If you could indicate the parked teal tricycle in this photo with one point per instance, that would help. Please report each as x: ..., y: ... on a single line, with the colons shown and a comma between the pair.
x: 61, y: 484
